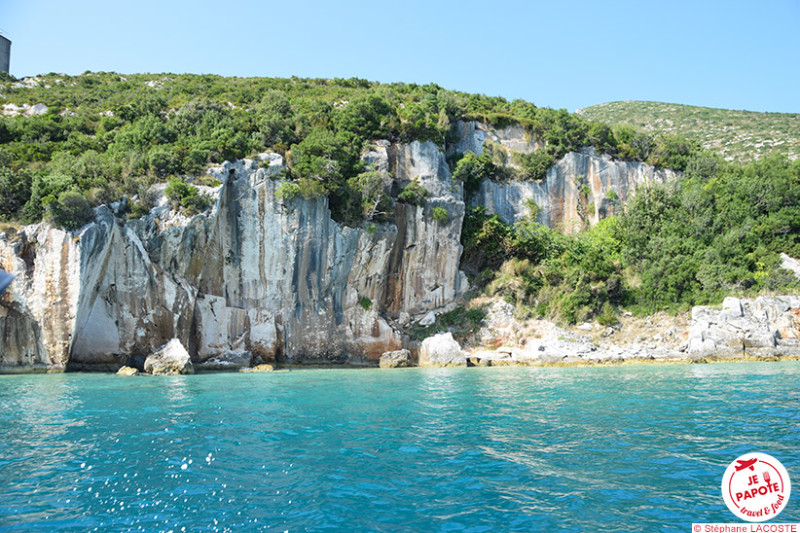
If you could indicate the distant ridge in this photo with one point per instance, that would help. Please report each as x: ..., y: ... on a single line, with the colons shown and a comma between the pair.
x: 735, y: 135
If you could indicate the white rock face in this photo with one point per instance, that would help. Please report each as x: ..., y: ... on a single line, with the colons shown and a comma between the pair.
x: 558, y: 195
x: 791, y: 264
x: 395, y: 359
x: 441, y: 350
x: 278, y: 279
x: 427, y: 253
x: 37, y: 312
x: 473, y: 135
x: 25, y: 109
x: 172, y: 358
x: 763, y: 326
x: 428, y: 319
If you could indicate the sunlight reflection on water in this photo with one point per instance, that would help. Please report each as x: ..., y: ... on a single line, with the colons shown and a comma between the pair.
x: 493, y: 449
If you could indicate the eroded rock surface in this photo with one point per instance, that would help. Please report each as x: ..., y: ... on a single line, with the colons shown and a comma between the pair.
x: 278, y: 279
x: 172, y: 358
x: 761, y: 326
x: 578, y: 191
x: 395, y: 359
x: 441, y: 350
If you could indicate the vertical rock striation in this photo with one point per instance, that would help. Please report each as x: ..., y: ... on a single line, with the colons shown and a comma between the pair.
x: 270, y: 278
x: 277, y: 278
x: 575, y: 192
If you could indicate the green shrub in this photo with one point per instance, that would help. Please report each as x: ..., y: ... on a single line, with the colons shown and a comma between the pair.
x: 323, y: 161
x: 486, y: 239
x: 517, y: 281
x: 472, y: 170
x: 366, y: 303
x: 440, y: 215
x: 163, y: 161
x: 368, y: 196
x: 70, y: 211
x: 186, y: 196
x: 16, y: 190
x: 414, y: 193
x: 364, y: 116
x: 287, y: 191
x: 607, y: 315
x: 534, y: 166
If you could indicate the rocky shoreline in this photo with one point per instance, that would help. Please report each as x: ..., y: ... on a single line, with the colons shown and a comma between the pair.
x: 766, y: 328
x: 740, y: 330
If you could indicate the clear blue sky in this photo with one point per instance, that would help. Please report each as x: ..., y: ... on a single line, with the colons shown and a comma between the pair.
x: 561, y: 53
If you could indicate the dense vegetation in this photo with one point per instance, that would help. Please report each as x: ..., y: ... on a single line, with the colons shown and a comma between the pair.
x: 105, y: 135
x: 718, y: 231
x: 734, y: 135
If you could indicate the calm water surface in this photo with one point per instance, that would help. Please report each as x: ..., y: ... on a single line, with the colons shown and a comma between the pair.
x: 492, y: 449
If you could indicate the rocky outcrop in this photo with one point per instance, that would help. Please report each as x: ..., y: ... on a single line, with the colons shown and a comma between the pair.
x: 576, y: 192
x: 279, y: 279
x: 37, y: 312
x: 228, y: 361
x: 471, y: 136
x: 427, y: 252
x: 24, y: 110
x: 128, y: 371
x: 791, y: 264
x: 441, y: 350
x: 395, y: 359
x: 172, y: 358
x: 743, y: 327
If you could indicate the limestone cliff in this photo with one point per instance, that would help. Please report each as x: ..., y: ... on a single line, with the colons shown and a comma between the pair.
x: 279, y: 279
x: 575, y: 193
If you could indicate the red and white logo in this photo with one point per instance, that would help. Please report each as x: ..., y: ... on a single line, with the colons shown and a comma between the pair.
x: 756, y: 487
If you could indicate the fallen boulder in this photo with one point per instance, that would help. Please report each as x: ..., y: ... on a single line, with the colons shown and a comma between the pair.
x: 128, y: 371
x: 441, y: 350
x: 428, y: 320
x: 395, y: 359
x: 172, y: 358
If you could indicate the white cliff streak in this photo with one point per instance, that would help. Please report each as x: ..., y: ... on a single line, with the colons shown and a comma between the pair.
x: 559, y: 196
x: 279, y: 279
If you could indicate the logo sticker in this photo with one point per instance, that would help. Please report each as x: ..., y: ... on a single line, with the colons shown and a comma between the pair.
x: 756, y: 487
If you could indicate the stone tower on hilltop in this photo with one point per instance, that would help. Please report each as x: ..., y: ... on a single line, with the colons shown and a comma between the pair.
x: 5, y: 53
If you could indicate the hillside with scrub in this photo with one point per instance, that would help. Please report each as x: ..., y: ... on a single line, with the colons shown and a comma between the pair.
x: 733, y: 135
x: 69, y: 143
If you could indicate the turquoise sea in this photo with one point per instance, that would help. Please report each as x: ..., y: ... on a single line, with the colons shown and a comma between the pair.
x: 632, y: 448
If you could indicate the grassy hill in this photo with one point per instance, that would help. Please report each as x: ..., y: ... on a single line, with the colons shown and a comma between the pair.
x: 736, y: 135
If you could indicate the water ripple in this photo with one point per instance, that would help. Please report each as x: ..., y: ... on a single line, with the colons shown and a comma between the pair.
x: 495, y: 449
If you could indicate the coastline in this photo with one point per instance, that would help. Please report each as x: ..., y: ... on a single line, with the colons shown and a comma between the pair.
x: 609, y: 362
x: 764, y: 329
